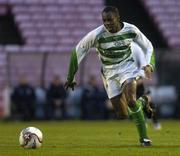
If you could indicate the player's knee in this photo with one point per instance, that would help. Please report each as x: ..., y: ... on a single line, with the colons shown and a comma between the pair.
x: 132, y: 102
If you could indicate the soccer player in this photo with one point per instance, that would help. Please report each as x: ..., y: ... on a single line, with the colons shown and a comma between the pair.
x: 119, y: 71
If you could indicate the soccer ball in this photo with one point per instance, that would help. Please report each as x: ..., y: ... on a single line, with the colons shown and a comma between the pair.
x: 31, y: 137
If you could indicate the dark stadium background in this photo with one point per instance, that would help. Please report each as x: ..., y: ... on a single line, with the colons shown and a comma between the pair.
x: 37, y: 36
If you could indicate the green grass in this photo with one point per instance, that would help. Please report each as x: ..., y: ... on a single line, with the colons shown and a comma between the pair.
x: 88, y: 138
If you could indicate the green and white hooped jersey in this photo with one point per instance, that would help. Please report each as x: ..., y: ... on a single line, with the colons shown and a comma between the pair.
x: 113, y: 49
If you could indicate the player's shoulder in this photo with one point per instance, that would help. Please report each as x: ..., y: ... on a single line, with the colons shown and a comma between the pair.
x: 97, y: 31
x: 129, y: 26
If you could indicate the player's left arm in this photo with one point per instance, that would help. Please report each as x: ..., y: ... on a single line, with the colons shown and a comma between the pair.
x: 147, y: 48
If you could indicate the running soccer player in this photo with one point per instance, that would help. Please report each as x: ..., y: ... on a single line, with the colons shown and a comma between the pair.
x: 119, y: 71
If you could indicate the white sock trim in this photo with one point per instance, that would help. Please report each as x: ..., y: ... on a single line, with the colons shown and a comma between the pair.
x: 139, y: 109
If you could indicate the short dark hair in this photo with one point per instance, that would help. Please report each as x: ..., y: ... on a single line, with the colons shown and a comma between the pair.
x: 111, y: 9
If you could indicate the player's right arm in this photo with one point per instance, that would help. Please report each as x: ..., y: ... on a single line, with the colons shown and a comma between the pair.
x: 77, y: 56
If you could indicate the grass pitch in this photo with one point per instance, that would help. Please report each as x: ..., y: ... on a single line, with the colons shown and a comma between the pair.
x: 91, y: 138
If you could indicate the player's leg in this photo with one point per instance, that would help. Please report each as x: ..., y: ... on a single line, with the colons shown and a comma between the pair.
x: 118, y: 100
x: 113, y: 89
x: 136, y: 110
x: 120, y: 106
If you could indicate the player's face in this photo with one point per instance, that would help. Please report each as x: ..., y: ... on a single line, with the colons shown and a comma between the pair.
x: 111, y: 22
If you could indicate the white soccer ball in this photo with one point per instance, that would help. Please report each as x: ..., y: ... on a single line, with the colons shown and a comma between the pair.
x: 31, y: 137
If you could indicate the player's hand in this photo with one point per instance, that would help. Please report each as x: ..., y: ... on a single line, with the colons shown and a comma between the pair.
x: 69, y: 85
x: 148, y: 71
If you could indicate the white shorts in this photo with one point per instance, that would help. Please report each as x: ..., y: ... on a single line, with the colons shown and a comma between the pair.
x: 114, y: 86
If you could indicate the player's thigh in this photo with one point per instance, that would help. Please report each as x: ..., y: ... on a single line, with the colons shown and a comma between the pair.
x: 119, y: 103
x: 130, y: 91
x: 123, y: 105
x: 118, y: 100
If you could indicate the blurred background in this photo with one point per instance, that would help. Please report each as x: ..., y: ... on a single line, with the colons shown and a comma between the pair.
x: 36, y: 39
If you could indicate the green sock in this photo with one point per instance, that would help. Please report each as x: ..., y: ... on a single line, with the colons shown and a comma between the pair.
x: 142, y: 103
x: 138, y: 116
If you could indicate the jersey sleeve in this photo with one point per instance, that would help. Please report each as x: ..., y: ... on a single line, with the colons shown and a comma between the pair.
x: 79, y: 53
x: 138, y: 55
x: 146, y: 46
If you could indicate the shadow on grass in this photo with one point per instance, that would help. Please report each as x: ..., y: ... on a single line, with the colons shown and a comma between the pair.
x: 114, y: 146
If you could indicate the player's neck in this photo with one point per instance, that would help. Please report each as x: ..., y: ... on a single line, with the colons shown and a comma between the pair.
x: 120, y: 27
